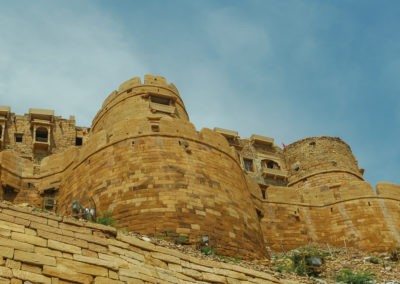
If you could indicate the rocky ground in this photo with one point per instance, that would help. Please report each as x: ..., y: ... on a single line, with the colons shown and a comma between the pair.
x: 381, y: 266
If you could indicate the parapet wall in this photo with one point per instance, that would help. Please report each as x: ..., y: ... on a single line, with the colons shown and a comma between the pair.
x: 350, y: 215
x: 320, y: 161
x: 133, y: 100
x: 44, y: 248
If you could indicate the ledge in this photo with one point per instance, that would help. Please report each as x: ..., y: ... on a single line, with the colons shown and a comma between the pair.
x: 263, y: 140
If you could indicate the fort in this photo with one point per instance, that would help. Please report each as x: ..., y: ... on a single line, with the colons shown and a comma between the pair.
x: 143, y: 160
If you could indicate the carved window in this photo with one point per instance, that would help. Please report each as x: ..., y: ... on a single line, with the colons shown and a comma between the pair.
x: 42, y: 134
x: 248, y: 165
x: 18, y: 137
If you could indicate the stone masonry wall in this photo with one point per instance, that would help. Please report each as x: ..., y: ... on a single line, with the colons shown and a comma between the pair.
x: 309, y: 159
x: 62, y: 136
x: 350, y: 215
x: 44, y: 248
x: 173, y: 180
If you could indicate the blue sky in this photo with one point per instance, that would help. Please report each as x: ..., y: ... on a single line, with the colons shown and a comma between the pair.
x: 283, y: 69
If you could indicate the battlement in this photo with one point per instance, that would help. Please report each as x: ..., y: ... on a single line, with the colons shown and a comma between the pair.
x: 145, y: 161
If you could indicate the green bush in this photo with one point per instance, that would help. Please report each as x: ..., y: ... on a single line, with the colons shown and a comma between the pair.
x: 105, y: 219
x: 209, y: 251
x: 302, y: 261
x: 349, y: 277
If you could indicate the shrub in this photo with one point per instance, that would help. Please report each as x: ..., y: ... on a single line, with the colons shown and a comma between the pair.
x: 307, y: 261
x: 105, y: 219
x: 349, y: 277
x: 209, y: 251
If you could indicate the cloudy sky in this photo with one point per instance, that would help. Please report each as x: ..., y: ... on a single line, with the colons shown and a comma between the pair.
x: 283, y: 69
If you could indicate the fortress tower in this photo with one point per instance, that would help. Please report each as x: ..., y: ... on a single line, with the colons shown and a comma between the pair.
x: 143, y: 160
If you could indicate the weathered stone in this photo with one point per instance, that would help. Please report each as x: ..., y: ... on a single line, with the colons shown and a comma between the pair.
x: 65, y: 273
x: 29, y: 239
x: 26, y: 275
x: 34, y: 258
x: 63, y: 247
x: 83, y: 267
x: 16, y: 244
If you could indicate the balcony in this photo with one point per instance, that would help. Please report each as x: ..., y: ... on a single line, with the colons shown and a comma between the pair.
x: 262, y: 140
x: 274, y: 173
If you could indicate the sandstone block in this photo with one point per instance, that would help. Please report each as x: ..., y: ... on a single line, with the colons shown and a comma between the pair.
x: 83, y: 267
x: 16, y: 244
x: 129, y: 280
x: 29, y: 276
x: 192, y: 273
x: 43, y: 227
x: 96, y: 261
x: 116, y: 243
x: 26, y: 216
x: 63, y: 239
x: 4, y: 281
x: 29, y: 239
x: 49, y: 252
x: 210, y: 277
x: 11, y: 226
x: 34, y: 258
x: 52, y: 223
x: 78, y: 229
x: 97, y: 248
x: 103, y: 280
x: 31, y: 268
x: 65, y: 273
x: 64, y: 247
x: 6, y: 252
x: 91, y: 238
x: 13, y: 264
x: 5, y: 272
x: 166, y: 257
x: 5, y: 233
x: 135, y: 241
x: 230, y: 273
x: 126, y: 252
x: 15, y: 281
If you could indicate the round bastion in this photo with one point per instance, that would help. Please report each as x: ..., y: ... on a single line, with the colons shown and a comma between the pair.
x: 318, y: 161
x: 146, y: 163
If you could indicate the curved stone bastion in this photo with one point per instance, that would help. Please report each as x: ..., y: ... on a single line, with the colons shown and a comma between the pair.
x: 144, y: 161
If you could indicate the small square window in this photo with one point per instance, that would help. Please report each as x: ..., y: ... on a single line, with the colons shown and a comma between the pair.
x: 248, y: 165
x: 160, y: 100
x: 18, y: 138
x: 78, y: 141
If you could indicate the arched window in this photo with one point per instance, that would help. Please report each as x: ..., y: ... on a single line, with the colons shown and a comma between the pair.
x: 42, y: 134
x: 270, y: 164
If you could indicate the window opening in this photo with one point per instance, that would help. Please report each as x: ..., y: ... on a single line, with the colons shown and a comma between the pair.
x: 78, y: 141
x: 259, y: 214
x: 248, y: 165
x: 42, y: 134
x: 1, y: 131
x: 161, y: 100
x: 18, y: 138
x: 155, y: 128
x: 9, y: 193
x: 270, y: 164
x: 369, y: 203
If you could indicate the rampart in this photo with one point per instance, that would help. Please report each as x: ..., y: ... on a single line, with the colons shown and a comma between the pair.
x: 143, y: 160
